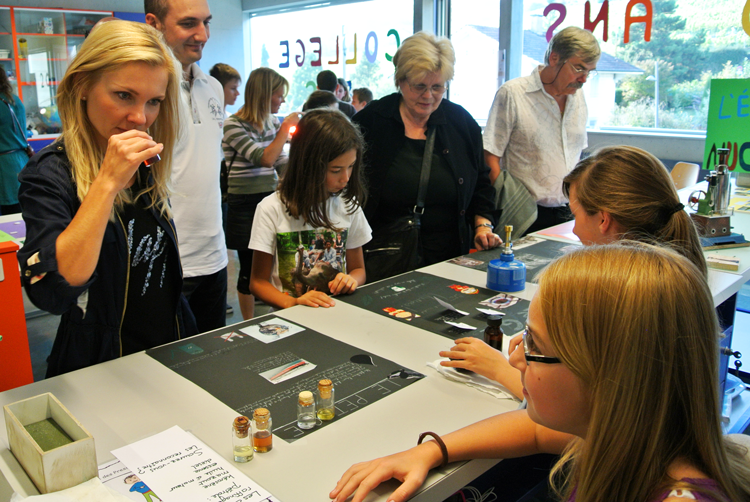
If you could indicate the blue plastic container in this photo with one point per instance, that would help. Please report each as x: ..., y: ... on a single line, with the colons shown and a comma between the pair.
x: 506, y: 274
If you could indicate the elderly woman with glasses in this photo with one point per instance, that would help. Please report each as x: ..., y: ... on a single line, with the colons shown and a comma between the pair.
x: 459, y: 205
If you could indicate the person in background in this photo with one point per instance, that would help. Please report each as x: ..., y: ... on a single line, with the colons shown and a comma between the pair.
x: 619, y: 192
x: 253, y: 151
x: 619, y: 362
x: 321, y: 99
x: 342, y: 91
x: 14, y: 149
x: 327, y: 81
x: 230, y: 81
x: 100, y: 245
x: 197, y: 160
x: 536, y: 128
x: 361, y: 97
x: 459, y: 208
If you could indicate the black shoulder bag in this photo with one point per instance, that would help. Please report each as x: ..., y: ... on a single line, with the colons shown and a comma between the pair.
x: 395, y: 247
x: 224, y: 176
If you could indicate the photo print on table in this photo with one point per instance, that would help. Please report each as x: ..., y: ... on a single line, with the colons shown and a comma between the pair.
x: 272, y: 330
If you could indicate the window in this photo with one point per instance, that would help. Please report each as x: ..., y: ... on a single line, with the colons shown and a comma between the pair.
x: 356, y: 41
x: 474, y: 34
x: 662, y: 83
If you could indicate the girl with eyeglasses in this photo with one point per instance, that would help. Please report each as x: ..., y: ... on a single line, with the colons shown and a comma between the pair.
x: 624, y: 385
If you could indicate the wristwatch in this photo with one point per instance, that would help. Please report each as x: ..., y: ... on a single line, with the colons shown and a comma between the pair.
x: 485, y: 225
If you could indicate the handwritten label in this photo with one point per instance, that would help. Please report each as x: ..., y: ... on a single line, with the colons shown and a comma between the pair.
x: 180, y: 467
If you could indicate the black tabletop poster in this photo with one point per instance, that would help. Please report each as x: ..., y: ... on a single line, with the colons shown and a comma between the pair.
x: 416, y: 297
x: 267, y: 361
x: 535, y: 256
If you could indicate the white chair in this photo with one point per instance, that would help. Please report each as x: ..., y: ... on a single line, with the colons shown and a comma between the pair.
x: 742, y: 440
x: 685, y: 174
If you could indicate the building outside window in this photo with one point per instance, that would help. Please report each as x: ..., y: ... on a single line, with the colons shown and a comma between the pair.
x: 356, y: 41
x: 692, y: 41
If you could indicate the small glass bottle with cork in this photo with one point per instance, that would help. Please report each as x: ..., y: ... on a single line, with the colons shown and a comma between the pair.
x: 326, y: 408
x: 306, y: 410
x: 242, y: 446
x: 262, y: 430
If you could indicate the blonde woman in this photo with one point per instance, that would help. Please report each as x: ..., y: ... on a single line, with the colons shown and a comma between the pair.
x: 253, y: 151
x: 619, y: 192
x: 619, y: 363
x: 459, y: 205
x: 100, y: 246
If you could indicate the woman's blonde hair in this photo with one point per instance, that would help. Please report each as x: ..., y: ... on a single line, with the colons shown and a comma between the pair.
x: 260, y: 86
x: 109, y: 47
x: 636, y: 189
x: 424, y: 53
x: 636, y: 324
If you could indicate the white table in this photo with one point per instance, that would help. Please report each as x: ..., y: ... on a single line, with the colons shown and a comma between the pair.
x: 131, y: 398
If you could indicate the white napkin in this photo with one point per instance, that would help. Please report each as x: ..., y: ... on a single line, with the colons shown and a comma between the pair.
x: 472, y: 380
x: 91, y: 491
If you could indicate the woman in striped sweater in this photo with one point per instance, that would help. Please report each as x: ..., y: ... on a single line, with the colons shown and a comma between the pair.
x: 253, y: 143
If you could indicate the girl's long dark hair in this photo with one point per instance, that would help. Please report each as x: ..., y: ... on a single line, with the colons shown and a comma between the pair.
x: 321, y: 136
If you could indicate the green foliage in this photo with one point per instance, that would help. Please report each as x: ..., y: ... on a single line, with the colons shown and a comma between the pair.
x: 371, y: 75
x: 641, y: 114
x: 693, y: 42
x: 670, y: 41
x: 299, y: 91
x: 637, y: 87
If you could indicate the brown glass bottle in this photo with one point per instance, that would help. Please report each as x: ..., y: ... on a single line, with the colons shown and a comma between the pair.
x: 493, y: 333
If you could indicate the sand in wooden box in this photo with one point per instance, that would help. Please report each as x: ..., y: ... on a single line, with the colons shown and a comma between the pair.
x: 66, y: 457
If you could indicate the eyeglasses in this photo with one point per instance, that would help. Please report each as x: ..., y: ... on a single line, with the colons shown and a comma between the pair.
x: 583, y: 71
x: 436, y: 90
x: 528, y: 345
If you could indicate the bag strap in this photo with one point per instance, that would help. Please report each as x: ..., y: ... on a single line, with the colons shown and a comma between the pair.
x: 229, y: 167
x: 425, y: 174
x: 18, y: 123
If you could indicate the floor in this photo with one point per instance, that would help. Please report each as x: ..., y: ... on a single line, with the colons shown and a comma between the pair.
x: 42, y: 329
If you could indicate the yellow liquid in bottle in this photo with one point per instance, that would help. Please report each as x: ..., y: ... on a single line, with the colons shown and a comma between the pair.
x: 326, y: 414
x: 243, y: 453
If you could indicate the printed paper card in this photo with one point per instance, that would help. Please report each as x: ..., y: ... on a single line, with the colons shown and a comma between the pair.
x: 181, y: 468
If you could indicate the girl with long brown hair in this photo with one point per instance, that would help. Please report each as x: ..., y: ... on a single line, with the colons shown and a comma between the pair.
x: 319, y: 198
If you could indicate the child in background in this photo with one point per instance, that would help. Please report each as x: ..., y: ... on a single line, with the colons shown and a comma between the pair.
x: 321, y: 193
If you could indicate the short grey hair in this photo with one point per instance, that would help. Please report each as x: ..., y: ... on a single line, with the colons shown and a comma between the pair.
x: 424, y: 53
x: 574, y: 42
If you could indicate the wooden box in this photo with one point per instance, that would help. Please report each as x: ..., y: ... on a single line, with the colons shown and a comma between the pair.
x: 58, y: 468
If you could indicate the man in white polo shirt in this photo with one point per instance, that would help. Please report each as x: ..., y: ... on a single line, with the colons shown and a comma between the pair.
x: 536, y: 129
x: 196, y: 198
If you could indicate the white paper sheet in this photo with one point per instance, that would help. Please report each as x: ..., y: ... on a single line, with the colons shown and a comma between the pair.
x: 181, y: 468
x: 449, y: 306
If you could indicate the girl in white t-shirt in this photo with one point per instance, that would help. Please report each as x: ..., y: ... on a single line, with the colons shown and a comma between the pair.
x: 319, y: 197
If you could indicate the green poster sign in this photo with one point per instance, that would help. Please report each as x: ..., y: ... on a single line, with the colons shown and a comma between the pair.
x: 729, y: 123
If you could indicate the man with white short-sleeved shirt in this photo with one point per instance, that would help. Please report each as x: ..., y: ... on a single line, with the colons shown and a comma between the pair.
x: 536, y: 128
